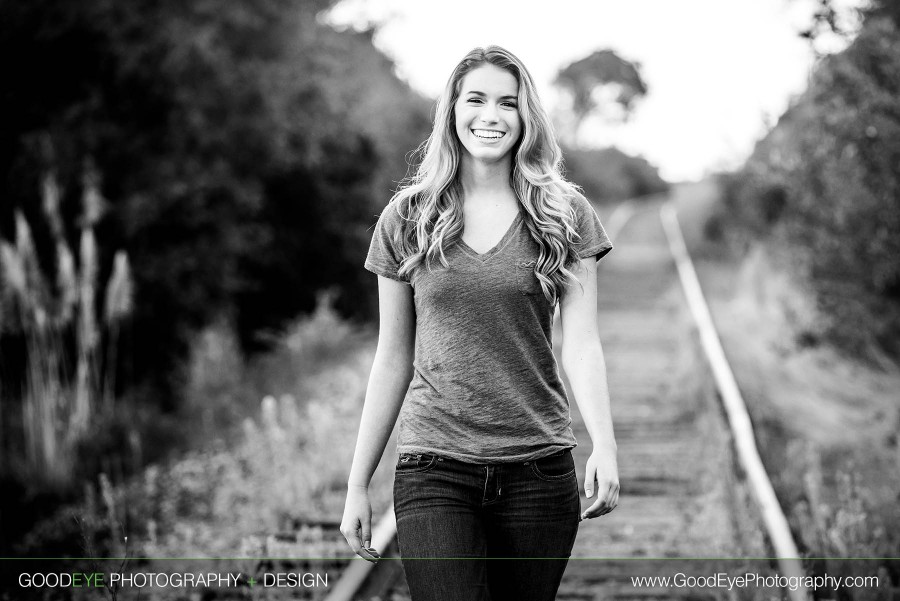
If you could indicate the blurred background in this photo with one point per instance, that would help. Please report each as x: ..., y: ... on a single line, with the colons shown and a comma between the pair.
x: 187, y: 191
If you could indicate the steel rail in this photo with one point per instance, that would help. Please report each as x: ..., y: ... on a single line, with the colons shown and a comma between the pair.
x: 738, y: 418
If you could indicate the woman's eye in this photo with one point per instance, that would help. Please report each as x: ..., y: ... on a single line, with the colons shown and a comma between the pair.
x: 505, y: 103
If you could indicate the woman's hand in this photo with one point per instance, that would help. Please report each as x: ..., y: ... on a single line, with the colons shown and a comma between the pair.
x: 602, y: 470
x: 356, y: 525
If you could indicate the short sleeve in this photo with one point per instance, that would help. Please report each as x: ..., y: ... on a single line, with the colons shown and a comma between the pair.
x: 383, y: 258
x: 594, y: 241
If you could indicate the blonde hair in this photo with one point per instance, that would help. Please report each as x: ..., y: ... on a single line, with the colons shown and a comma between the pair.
x: 430, y: 201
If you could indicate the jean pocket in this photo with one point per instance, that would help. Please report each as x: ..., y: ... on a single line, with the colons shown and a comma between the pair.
x: 555, y: 467
x: 527, y: 282
x: 415, y: 463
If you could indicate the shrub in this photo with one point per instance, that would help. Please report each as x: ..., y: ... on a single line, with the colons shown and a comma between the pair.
x: 825, y: 182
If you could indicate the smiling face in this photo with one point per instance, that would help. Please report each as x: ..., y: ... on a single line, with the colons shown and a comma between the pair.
x: 487, y: 114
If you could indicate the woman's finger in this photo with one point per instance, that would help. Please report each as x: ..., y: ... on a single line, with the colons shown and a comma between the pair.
x: 590, y: 475
x: 369, y: 554
x: 594, y: 510
x: 361, y: 547
x: 367, y: 533
x: 605, y: 503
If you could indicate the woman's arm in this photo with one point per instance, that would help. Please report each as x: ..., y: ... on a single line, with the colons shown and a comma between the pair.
x: 388, y: 381
x: 389, y: 378
x: 582, y: 360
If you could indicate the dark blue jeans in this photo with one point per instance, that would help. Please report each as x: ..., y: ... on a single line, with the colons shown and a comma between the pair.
x: 485, y: 532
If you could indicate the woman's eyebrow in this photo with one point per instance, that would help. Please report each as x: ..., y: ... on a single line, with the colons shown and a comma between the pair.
x: 477, y: 93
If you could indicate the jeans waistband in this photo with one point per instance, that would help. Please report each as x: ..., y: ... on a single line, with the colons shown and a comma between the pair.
x: 440, y: 457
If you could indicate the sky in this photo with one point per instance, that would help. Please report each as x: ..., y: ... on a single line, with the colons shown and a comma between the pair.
x: 719, y: 72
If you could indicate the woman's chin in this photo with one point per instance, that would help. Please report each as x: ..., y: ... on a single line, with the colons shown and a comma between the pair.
x: 489, y: 155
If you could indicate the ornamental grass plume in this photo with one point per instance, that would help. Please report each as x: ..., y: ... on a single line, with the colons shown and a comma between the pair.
x: 49, y: 310
x: 119, y: 299
x: 44, y: 395
x: 117, y: 305
x: 32, y: 289
x: 88, y: 335
x: 66, y: 283
x: 12, y: 273
x: 12, y: 276
x: 66, y: 278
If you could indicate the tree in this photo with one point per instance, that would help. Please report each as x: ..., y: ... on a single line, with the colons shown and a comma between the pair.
x: 241, y: 148
x: 592, y: 82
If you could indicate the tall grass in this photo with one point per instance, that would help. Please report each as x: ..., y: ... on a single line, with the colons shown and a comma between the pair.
x: 839, y: 517
x: 49, y: 308
x: 276, y: 489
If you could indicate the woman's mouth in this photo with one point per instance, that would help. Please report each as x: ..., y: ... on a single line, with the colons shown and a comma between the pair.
x: 488, y: 134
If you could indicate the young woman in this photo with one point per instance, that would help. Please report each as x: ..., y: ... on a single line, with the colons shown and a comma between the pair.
x: 473, y: 255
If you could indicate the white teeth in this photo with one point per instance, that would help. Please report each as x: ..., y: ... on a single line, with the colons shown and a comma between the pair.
x: 486, y: 133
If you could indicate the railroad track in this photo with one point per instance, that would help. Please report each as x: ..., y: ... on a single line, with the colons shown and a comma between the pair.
x: 680, y: 449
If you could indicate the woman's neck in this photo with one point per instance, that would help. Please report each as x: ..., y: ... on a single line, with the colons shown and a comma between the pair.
x: 482, y: 181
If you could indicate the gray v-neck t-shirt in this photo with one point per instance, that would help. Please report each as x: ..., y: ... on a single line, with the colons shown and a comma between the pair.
x: 486, y: 386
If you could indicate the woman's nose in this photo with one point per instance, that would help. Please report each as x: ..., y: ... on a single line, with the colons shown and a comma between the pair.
x: 489, y: 113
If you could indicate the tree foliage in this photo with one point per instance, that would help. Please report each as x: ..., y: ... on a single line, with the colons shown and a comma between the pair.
x: 607, y: 174
x: 243, y: 149
x: 826, y: 182
x: 588, y: 78
x: 592, y: 83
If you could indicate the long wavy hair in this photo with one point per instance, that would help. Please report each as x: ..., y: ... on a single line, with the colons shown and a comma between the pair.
x: 430, y: 201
